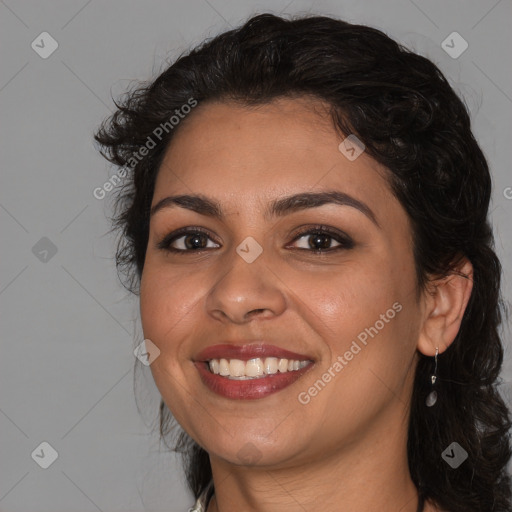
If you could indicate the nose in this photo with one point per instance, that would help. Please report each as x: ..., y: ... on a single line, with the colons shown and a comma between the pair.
x: 245, y: 292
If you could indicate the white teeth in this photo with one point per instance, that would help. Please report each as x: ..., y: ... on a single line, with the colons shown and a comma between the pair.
x: 236, y: 368
x: 223, y: 367
x: 254, y: 368
x: 214, y: 366
x: 283, y: 365
x: 270, y: 365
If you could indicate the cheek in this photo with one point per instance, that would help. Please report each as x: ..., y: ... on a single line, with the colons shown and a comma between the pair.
x: 152, y: 304
x: 365, y: 314
x: 166, y: 300
x: 168, y: 317
x: 351, y: 298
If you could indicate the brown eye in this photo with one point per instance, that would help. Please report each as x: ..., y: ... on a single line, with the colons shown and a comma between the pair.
x: 321, y: 239
x: 318, y: 241
x: 187, y: 240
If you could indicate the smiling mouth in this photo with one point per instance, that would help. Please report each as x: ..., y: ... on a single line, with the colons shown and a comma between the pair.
x: 250, y: 387
x: 256, y: 368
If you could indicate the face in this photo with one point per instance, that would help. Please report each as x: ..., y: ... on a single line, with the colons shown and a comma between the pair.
x: 329, y: 278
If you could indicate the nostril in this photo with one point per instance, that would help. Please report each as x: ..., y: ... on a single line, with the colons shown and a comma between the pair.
x: 255, y: 312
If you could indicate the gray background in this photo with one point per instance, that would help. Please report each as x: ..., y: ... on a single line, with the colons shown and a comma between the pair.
x: 68, y: 326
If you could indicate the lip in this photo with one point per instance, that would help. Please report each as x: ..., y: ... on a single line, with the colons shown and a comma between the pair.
x: 248, y: 351
x: 248, y: 389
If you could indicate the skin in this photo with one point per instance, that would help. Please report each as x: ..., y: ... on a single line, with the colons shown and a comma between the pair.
x: 346, y: 448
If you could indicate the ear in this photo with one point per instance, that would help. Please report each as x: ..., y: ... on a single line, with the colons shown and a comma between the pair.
x: 444, y: 303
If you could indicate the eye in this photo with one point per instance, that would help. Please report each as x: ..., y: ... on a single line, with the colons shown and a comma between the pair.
x: 187, y: 240
x: 319, y: 239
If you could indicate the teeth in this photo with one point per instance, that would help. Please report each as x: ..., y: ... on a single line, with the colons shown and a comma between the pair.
x: 236, y: 368
x: 223, y: 367
x: 254, y: 368
x: 214, y: 366
x: 270, y: 365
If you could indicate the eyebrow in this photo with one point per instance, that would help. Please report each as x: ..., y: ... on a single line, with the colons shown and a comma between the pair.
x: 277, y: 208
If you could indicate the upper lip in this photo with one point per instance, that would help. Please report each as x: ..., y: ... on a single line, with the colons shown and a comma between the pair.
x: 247, y: 351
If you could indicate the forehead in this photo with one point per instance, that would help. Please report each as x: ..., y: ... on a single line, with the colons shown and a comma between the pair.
x: 249, y: 133
x: 248, y: 155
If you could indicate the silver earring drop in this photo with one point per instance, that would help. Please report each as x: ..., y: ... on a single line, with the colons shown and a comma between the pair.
x: 432, y: 397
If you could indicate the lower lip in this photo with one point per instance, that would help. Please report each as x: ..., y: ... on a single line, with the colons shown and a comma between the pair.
x: 248, y: 389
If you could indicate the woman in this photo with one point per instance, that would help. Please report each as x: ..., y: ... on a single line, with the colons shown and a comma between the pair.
x: 304, y: 214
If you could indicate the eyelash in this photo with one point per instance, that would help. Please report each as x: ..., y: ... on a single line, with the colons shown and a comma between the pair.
x: 344, y: 240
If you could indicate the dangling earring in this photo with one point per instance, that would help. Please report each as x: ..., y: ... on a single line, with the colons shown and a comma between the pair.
x: 432, y: 397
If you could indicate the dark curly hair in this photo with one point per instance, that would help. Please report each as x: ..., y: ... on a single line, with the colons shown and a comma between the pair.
x: 411, y: 121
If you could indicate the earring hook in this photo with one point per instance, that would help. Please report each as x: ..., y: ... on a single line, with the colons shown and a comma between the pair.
x: 432, y: 397
x: 434, y: 377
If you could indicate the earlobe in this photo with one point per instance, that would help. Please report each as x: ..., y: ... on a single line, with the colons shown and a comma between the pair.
x: 445, y: 304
